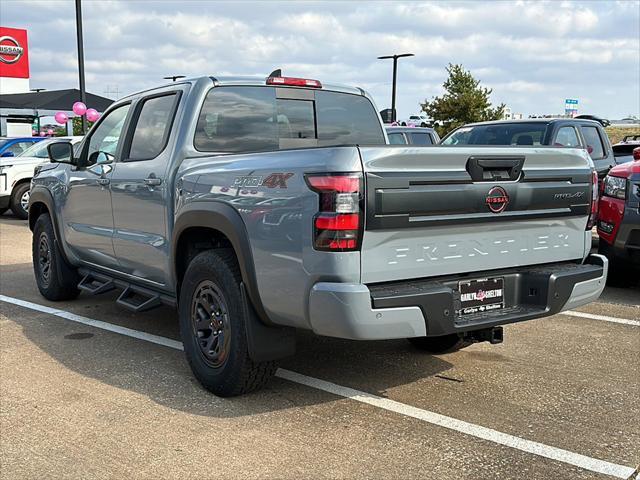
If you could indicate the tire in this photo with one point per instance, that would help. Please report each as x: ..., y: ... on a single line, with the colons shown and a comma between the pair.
x: 56, y: 279
x: 20, y: 200
x: 620, y: 272
x: 210, y: 298
x: 444, y: 344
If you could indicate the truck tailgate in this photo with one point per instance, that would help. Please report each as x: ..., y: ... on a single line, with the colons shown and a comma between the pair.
x: 445, y: 210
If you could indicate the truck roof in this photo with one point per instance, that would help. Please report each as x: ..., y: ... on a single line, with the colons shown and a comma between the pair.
x: 249, y: 81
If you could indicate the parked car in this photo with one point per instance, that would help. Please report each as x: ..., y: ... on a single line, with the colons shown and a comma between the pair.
x: 16, y: 173
x: 412, y: 136
x: 346, y: 236
x: 619, y: 216
x: 558, y: 132
x: 12, y: 147
x: 623, y: 151
x: 418, y: 120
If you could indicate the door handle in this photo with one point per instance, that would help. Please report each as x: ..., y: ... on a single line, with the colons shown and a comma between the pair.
x: 152, y: 181
x: 103, y: 181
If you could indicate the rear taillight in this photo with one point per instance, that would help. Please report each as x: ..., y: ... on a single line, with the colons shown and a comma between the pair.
x: 294, y: 82
x: 338, y: 224
x: 593, y: 217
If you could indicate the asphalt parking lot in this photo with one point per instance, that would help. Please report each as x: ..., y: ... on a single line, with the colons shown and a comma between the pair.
x: 89, y: 390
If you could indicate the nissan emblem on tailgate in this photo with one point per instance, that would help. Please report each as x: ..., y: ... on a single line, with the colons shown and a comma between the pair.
x: 497, y: 199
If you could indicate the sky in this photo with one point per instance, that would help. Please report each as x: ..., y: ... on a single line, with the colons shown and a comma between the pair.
x: 534, y: 55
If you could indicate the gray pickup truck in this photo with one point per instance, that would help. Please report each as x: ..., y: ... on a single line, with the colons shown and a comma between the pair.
x: 262, y: 206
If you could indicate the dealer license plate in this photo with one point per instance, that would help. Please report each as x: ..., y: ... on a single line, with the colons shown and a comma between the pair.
x: 482, y: 295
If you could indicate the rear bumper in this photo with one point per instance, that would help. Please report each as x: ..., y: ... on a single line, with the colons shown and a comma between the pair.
x: 419, y: 308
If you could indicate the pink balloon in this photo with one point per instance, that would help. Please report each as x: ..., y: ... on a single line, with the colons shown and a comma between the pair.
x: 42, y: 134
x: 50, y: 131
x: 61, y: 118
x: 92, y: 114
x: 79, y: 108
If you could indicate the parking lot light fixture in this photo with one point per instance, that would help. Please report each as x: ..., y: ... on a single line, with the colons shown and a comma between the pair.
x: 395, y: 74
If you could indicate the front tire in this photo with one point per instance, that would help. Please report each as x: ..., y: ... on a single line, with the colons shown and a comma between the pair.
x: 443, y: 344
x: 213, y: 326
x: 20, y: 200
x: 55, y: 278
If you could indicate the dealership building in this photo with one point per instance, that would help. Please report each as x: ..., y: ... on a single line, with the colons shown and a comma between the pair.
x: 21, y: 108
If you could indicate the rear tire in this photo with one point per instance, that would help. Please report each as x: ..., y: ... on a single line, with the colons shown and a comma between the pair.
x: 213, y: 326
x: 20, y: 200
x: 443, y: 344
x: 56, y: 279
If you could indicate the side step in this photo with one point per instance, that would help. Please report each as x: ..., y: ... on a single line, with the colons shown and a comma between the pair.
x: 138, y: 300
x: 95, y: 284
x: 133, y: 297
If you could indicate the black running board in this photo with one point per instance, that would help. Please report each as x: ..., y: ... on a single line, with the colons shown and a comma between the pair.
x: 138, y: 299
x: 95, y: 283
x: 133, y: 297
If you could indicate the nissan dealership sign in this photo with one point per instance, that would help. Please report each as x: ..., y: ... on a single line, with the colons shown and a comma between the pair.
x: 14, y: 60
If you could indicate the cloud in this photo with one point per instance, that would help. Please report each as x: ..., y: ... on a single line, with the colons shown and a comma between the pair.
x: 533, y: 54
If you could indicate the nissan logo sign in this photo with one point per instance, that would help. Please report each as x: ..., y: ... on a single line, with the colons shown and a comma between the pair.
x: 497, y: 199
x: 10, y: 50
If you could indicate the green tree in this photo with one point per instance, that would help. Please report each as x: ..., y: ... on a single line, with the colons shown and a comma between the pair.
x: 77, y: 125
x: 464, y: 101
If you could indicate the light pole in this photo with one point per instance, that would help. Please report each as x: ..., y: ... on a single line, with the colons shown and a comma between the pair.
x: 173, y: 78
x: 83, y: 93
x: 38, y: 90
x: 395, y: 74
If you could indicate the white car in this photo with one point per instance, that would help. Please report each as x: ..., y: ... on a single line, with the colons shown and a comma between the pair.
x: 16, y: 173
x: 417, y: 120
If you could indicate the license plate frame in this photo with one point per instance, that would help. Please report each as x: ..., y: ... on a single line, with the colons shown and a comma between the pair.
x: 481, y: 295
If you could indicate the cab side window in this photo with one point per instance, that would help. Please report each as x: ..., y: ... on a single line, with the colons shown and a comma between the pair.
x: 153, y: 127
x: 594, y: 142
x: 106, y: 137
x: 567, y: 137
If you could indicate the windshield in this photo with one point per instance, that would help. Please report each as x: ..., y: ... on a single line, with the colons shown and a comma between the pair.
x: 38, y: 150
x: 499, y: 134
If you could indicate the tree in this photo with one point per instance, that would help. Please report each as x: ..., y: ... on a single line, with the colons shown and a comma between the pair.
x: 464, y: 101
x: 77, y: 125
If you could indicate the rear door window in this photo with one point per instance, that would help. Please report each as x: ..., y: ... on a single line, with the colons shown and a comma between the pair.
x: 252, y: 119
x: 396, y: 139
x: 421, y: 138
x: 594, y: 142
x: 567, y: 137
x: 152, y: 127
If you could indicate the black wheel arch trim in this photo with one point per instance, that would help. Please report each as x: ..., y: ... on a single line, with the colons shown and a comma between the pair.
x: 226, y: 220
x: 40, y: 194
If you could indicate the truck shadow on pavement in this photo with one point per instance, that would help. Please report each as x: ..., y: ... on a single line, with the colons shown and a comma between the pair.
x: 162, y: 374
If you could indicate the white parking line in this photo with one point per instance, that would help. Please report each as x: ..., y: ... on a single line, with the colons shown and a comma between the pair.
x: 478, y: 431
x: 603, y: 318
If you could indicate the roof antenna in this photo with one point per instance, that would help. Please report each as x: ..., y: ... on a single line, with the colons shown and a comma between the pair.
x: 275, y: 73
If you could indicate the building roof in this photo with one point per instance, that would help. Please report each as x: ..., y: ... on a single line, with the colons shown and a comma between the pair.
x: 61, y: 100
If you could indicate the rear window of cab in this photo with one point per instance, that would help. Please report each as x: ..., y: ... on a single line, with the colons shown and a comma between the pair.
x: 237, y: 119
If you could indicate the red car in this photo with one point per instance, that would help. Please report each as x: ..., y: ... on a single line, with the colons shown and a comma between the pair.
x: 619, y: 216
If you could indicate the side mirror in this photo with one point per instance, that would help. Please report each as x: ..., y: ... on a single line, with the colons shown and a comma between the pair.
x: 61, y: 152
x: 8, y: 154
